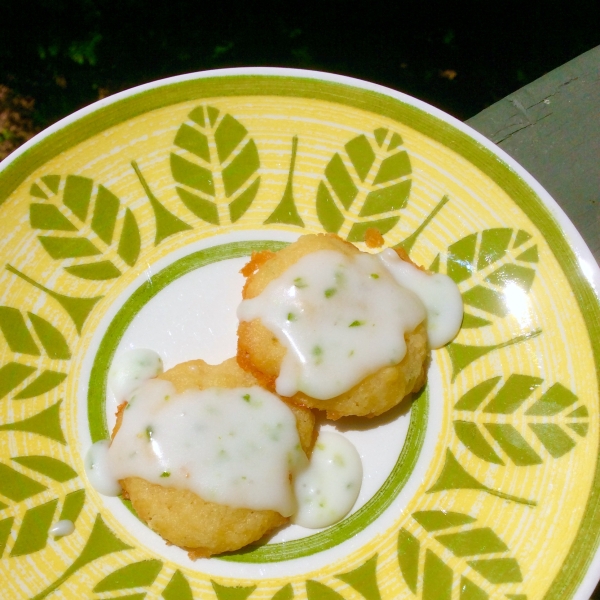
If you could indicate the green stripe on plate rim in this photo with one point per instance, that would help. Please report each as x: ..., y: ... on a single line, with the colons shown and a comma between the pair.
x: 171, y: 92
x: 273, y: 552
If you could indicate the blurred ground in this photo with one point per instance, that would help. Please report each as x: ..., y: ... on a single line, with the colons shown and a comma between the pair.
x: 59, y: 55
x: 16, y: 120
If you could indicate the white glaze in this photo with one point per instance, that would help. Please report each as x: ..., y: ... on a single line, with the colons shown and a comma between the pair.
x: 129, y: 370
x: 438, y: 292
x: 98, y: 470
x: 236, y: 447
x: 64, y: 527
x: 340, y: 319
x: 328, y: 488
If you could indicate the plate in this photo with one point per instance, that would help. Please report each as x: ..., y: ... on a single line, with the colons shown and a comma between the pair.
x: 125, y: 226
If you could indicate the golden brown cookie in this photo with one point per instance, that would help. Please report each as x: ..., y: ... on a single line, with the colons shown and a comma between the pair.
x: 182, y: 517
x: 260, y: 352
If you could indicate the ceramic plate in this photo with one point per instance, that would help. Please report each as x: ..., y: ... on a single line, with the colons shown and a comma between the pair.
x: 126, y: 225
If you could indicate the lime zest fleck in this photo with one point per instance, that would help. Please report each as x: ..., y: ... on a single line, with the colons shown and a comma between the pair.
x: 246, y: 397
x: 149, y: 432
x: 165, y: 474
x: 330, y: 292
x: 300, y: 283
x: 374, y: 276
x: 291, y: 317
x: 317, y: 352
x: 356, y: 323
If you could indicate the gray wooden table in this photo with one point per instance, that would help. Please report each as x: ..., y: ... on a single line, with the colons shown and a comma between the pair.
x: 552, y: 128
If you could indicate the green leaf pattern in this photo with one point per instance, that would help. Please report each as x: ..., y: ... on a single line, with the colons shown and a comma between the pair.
x: 78, y: 309
x: 30, y: 381
x: 31, y: 528
x: 533, y: 425
x: 494, y: 269
x: 517, y: 421
x: 215, y: 164
x: 427, y: 570
x: 80, y: 223
x: 365, y: 185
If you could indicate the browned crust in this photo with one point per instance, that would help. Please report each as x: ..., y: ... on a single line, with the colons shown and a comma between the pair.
x: 200, y: 527
x: 119, y: 415
x: 373, y: 238
x: 256, y: 261
x: 403, y: 254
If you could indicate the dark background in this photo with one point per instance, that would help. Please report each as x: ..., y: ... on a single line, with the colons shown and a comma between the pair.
x: 59, y: 55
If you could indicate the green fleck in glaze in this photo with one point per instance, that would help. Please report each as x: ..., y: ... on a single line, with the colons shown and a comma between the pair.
x: 300, y: 283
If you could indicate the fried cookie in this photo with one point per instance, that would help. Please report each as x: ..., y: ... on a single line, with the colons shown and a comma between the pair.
x: 261, y: 349
x: 204, y: 527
